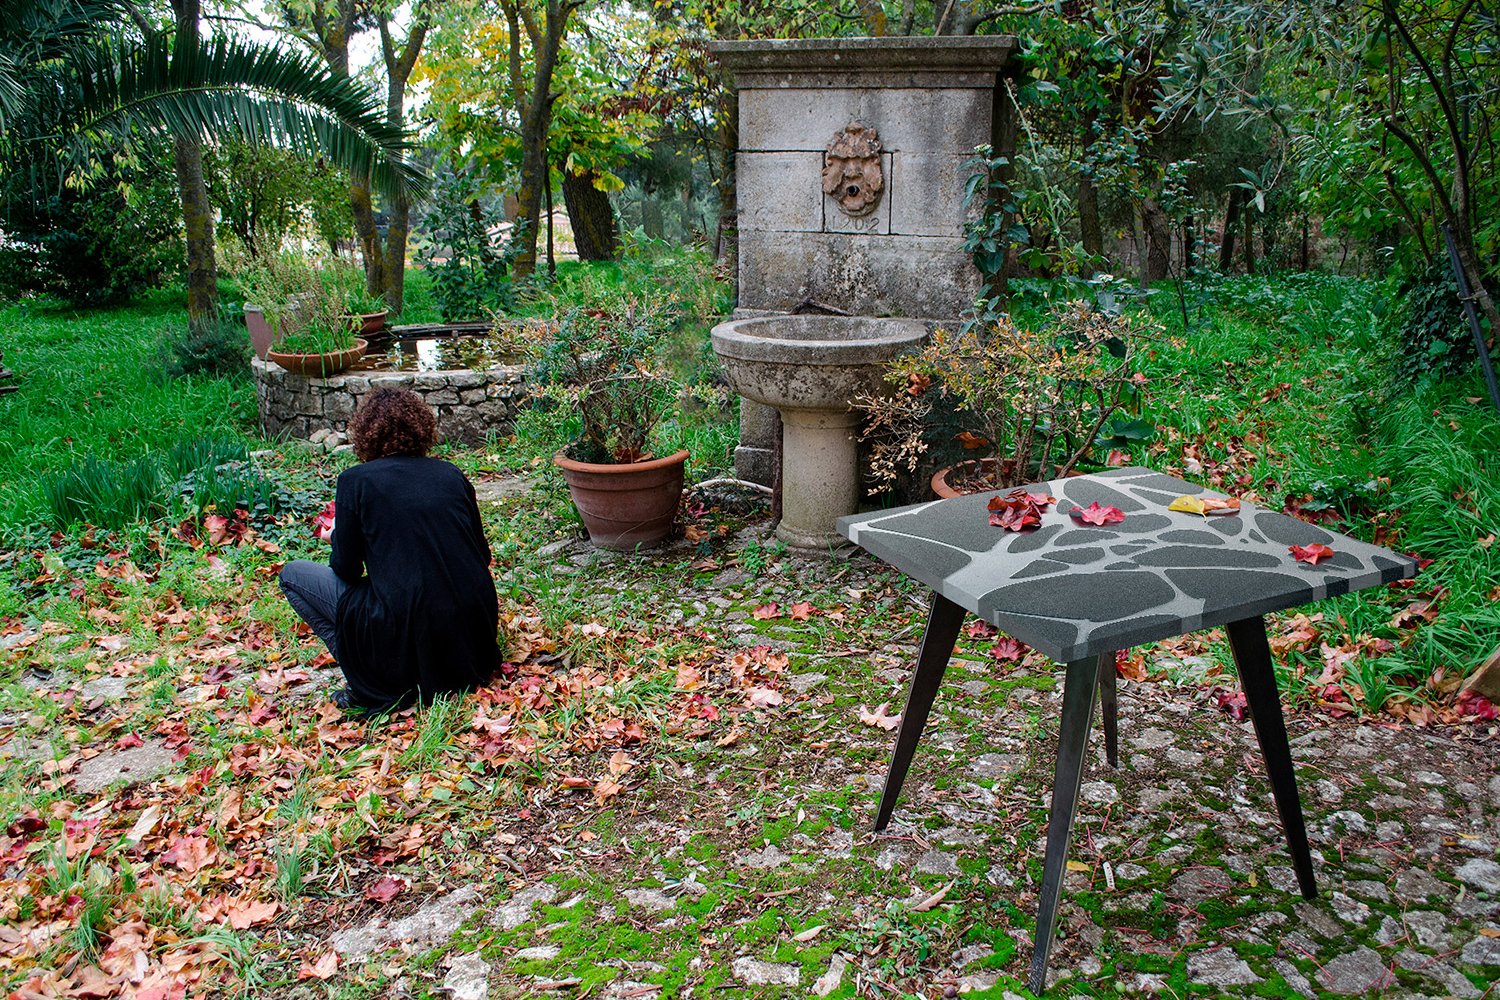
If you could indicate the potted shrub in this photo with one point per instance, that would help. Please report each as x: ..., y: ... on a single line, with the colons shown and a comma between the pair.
x: 1030, y: 404
x: 606, y: 368
x: 304, y: 310
x: 366, y: 311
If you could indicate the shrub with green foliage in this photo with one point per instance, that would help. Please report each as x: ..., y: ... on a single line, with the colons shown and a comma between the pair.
x: 99, y: 245
x: 192, y: 476
x: 468, y: 264
x: 1435, y: 337
x: 220, y: 349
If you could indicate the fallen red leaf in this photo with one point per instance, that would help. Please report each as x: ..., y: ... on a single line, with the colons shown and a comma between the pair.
x: 1311, y: 554
x: 1008, y: 650
x: 1018, y: 510
x: 1097, y: 515
x: 1471, y: 702
x: 766, y: 611
x: 1231, y: 703
x: 801, y: 611
x: 385, y: 889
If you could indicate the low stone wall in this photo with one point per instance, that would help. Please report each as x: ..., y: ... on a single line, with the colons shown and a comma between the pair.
x: 469, y: 404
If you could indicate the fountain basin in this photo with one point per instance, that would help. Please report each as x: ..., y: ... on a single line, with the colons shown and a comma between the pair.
x: 812, y: 362
x: 811, y: 369
x: 473, y: 379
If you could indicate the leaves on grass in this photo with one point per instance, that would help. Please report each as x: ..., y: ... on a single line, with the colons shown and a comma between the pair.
x: 765, y: 612
x: 1009, y: 650
x: 1311, y: 554
x: 878, y: 718
x: 922, y: 906
x: 385, y: 889
x: 801, y: 611
x: 1095, y: 514
x: 1231, y: 703
x: 321, y: 967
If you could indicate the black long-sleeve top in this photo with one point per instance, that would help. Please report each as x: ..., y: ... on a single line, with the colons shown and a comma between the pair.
x: 420, y: 615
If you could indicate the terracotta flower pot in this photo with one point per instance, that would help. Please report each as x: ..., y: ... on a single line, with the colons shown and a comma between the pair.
x: 261, y: 334
x: 319, y: 365
x: 946, y: 482
x: 370, y: 322
x: 625, y: 507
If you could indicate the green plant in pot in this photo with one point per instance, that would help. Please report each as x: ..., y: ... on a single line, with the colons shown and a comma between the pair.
x: 305, y: 308
x: 365, y: 310
x: 1028, y: 403
x: 604, y: 368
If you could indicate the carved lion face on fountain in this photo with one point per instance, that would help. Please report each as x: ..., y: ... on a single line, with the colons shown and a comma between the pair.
x: 852, y: 174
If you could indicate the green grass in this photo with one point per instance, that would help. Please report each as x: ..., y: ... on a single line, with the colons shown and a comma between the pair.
x: 89, y: 387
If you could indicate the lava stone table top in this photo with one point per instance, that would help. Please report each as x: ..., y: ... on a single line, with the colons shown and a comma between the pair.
x: 1073, y: 590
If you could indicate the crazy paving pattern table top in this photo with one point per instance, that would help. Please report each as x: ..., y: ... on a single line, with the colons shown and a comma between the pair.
x: 1074, y: 590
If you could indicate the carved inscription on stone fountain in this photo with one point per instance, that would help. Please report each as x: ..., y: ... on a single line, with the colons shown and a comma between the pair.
x: 853, y: 176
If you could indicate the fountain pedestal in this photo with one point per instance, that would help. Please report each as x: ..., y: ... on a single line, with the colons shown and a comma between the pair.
x: 811, y: 369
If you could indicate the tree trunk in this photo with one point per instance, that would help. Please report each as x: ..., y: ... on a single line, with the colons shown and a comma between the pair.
x: 367, y: 233
x: 535, y: 110
x: 197, y: 214
x: 1089, y: 229
x: 592, y: 216
x: 393, y: 265
x: 1247, y: 218
x: 1231, y: 224
x: 1158, y: 228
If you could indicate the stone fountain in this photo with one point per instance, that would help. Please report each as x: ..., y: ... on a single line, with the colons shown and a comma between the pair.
x: 850, y: 175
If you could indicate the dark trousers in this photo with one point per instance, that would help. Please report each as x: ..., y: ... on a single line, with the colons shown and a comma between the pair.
x: 313, y: 591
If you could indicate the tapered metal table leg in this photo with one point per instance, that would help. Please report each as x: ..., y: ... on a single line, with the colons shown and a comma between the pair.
x: 1252, y: 658
x: 943, y: 620
x: 1108, y: 708
x: 1072, y: 745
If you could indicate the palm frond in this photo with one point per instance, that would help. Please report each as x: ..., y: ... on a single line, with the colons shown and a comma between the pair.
x: 229, y: 86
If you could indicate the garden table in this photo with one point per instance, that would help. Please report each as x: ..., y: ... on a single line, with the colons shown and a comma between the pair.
x: 1079, y: 593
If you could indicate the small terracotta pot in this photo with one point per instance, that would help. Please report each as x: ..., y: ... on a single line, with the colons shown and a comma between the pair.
x: 370, y: 322
x: 625, y: 507
x: 319, y: 365
x: 942, y: 478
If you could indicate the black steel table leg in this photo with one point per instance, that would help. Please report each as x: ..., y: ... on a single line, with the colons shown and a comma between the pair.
x: 943, y: 619
x: 1072, y: 745
x: 1252, y: 657
x: 1108, y: 707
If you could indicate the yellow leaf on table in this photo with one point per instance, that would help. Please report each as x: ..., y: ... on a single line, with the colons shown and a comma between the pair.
x: 1188, y: 505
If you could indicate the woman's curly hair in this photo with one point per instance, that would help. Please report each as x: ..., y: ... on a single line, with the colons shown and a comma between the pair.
x: 392, y: 421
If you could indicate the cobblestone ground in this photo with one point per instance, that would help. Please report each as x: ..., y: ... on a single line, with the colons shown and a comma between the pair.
x: 748, y: 868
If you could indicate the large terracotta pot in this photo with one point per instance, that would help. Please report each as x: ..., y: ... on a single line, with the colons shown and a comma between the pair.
x: 625, y: 507
x: 319, y: 365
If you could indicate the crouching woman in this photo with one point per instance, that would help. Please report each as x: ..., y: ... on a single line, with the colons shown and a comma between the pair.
x: 406, y: 604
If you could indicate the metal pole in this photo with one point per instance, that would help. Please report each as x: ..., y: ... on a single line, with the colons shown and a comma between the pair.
x: 1467, y: 296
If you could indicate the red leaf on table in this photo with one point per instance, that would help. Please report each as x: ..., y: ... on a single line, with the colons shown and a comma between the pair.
x: 1311, y: 554
x: 1097, y: 515
x: 1018, y: 510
